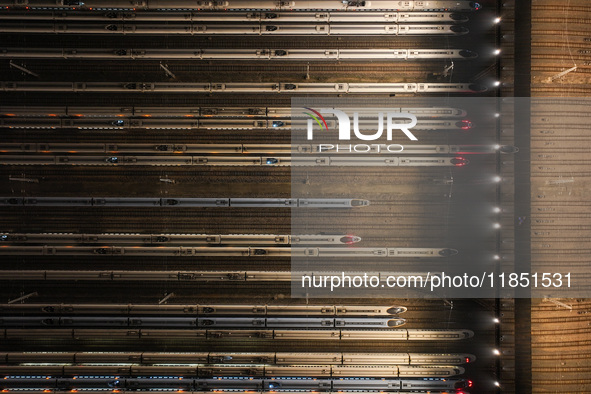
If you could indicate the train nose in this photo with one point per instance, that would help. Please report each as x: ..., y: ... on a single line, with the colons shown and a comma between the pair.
x: 459, y: 30
x: 477, y: 88
x: 468, y: 54
x: 350, y: 239
x: 458, y: 18
x: 465, y: 124
x: 448, y: 252
x: 396, y: 322
x: 508, y: 149
x: 459, y: 161
x: 396, y: 310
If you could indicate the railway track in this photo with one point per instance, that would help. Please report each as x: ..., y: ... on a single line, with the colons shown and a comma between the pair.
x: 130, y: 174
x: 560, y: 357
x: 235, y: 172
x: 580, y: 69
x: 238, y: 213
x: 571, y: 20
x: 153, y: 67
x: 569, y: 319
x: 584, y: 45
x: 57, y: 224
x: 151, y: 135
x: 562, y: 90
x: 185, y: 100
x: 570, y: 8
x: 199, y: 224
x: 192, y: 42
x: 545, y: 173
x: 583, y: 304
x: 542, y: 135
x: 558, y: 33
x: 560, y: 341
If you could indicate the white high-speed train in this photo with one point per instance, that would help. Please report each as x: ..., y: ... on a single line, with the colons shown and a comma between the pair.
x: 242, y: 87
x: 203, y: 310
x: 186, y: 276
x: 275, y: 161
x: 213, y: 251
x: 183, y: 202
x: 240, y: 54
x: 187, y: 16
x: 273, y: 391
x: 237, y: 5
x: 193, y: 322
x: 229, y: 383
x: 236, y: 370
x: 215, y: 334
x: 175, y: 239
x: 212, y: 149
x: 265, y: 29
x: 171, y: 113
x: 278, y: 358
x: 205, y: 123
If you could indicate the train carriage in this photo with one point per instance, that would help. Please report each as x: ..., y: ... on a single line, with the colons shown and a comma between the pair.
x: 145, y: 113
x: 237, y: 54
x: 238, y: 5
x: 186, y: 16
x: 247, y: 28
x: 279, y: 358
x: 281, y: 87
x: 299, y: 334
x: 370, y: 358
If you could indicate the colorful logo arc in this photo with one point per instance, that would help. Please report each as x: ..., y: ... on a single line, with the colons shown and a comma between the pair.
x: 318, y: 115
